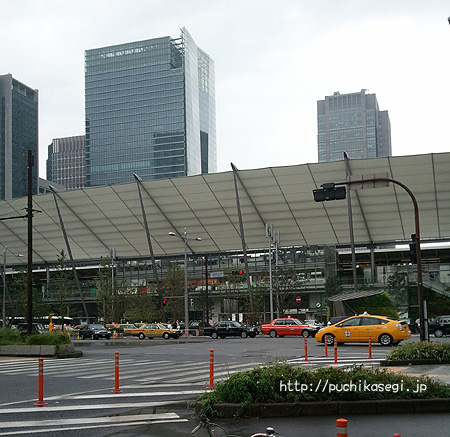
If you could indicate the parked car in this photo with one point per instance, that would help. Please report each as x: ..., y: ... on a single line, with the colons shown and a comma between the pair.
x: 440, y: 326
x: 288, y: 326
x: 152, y: 330
x: 37, y: 328
x: 413, y: 326
x: 125, y: 327
x: 229, y: 329
x: 359, y: 328
x: 94, y: 331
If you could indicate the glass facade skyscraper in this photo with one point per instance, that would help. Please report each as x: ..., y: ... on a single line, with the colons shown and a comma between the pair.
x: 354, y: 124
x: 150, y: 110
x: 18, y: 134
x: 66, y: 163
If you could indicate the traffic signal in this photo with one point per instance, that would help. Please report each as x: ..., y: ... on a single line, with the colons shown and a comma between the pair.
x: 164, y: 302
x: 329, y: 192
x: 413, y: 249
x: 237, y: 272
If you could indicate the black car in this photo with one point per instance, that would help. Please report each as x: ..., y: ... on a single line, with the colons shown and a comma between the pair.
x: 229, y: 329
x: 440, y: 326
x: 413, y: 326
x: 94, y: 331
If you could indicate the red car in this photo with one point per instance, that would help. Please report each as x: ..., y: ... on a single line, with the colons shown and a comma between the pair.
x: 288, y: 326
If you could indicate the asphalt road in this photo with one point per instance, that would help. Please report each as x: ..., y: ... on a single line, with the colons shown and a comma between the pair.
x: 154, y: 375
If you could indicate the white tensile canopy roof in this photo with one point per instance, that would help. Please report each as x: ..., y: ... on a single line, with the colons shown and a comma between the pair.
x: 98, y: 219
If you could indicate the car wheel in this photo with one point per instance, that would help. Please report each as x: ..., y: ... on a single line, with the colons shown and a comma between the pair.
x: 305, y: 333
x: 252, y: 335
x: 166, y: 335
x: 244, y: 334
x: 108, y: 337
x: 214, y: 335
x: 328, y: 339
x: 94, y: 337
x: 141, y: 336
x: 273, y: 333
x: 438, y: 333
x: 385, y: 339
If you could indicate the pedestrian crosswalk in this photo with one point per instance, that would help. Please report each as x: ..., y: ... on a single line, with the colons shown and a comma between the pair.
x: 146, y: 387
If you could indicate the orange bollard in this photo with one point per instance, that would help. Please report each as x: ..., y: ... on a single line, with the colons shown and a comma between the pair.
x: 326, y: 348
x: 211, y: 369
x: 40, y: 401
x: 306, y: 348
x: 397, y: 435
x: 335, y: 351
x: 341, y: 427
x: 116, y: 374
x: 370, y: 347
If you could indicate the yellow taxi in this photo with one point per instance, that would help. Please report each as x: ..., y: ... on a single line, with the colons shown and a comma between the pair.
x: 356, y: 329
x: 152, y: 330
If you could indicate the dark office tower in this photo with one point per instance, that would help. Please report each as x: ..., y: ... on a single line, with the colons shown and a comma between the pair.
x: 150, y: 110
x: 352, y: 123
x: 66, y: 163
x: 18, y: 134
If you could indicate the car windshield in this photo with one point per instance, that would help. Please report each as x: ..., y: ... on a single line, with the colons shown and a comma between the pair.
x: 97, y: 327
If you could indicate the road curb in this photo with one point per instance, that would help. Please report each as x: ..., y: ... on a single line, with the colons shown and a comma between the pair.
x: 382, y: 406
x: 390, y: 363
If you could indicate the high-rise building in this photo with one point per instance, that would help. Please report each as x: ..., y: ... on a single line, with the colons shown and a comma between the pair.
x: 18, y: 134
x: 66, y: 162
x: 354, y: 124
x: 150, y: 110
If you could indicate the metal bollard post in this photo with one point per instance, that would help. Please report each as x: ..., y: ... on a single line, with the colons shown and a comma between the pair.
x: 211, y: 369
x: 370, y: 347
x: 335, y: 350
x: 116, y: 374
x: 326, y: 347
x: 341, y: 427
x: 40, y: 401
x: 306, y: 348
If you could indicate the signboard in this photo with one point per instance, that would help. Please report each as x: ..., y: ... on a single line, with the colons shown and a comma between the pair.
x: 298, y: 299
x: 216, y: 275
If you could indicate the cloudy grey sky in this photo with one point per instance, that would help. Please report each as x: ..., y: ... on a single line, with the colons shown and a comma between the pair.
x: 274, y: 59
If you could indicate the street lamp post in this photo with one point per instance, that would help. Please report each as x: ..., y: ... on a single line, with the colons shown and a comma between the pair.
x: 330, y: 191
x: 185, y: 239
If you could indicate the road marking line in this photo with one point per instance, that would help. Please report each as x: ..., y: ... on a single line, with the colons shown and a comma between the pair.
x: 50, y: 408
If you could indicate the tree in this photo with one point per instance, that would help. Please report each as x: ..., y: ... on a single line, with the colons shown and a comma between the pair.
x: 61, y: 288
x: 18, y: 293
x: 333, y: 285
x: 398, y: 290
x: 108, y: 296
x: 141, y: 307
x: 173, y: 289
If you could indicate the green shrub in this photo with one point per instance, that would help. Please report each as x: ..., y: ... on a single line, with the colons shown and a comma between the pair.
x: 421, y: 350
x: 283, y: 383
x: 50, y: 338
x: 10, y: 336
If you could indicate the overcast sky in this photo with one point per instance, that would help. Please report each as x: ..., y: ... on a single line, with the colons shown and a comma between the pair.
x: 274, y: 59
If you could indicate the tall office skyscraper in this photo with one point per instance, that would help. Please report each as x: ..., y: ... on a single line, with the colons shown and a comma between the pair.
x: 18, y: 134
x: 354, y: 124
x: 66, y: 163
x: 150, y: 110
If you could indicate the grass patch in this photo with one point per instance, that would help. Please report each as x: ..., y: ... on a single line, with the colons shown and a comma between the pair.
x: 270, y: 384
x: 420, y: 351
